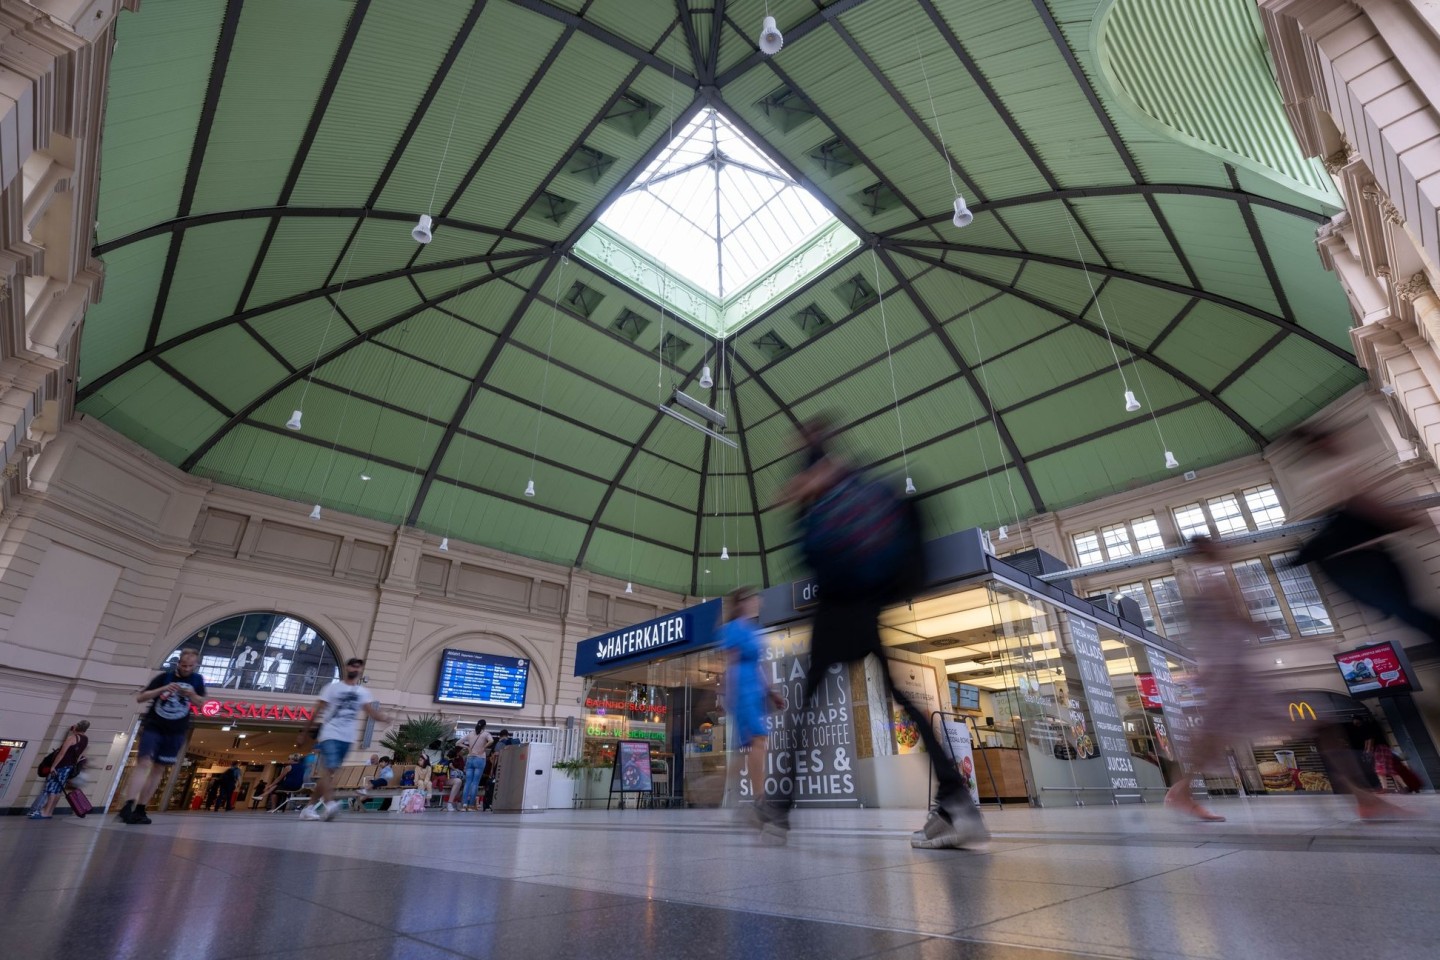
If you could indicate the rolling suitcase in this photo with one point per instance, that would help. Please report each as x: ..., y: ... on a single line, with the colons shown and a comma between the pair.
x: 78, y: 802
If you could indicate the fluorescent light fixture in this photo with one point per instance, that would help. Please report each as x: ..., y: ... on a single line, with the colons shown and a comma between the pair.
x: 698, y: 426
x: 695, y: 406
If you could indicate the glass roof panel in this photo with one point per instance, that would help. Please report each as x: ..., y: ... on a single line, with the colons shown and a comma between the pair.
x: 714, y: 209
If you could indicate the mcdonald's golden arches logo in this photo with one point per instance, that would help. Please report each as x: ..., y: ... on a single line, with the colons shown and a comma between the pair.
x: 1300, y: 711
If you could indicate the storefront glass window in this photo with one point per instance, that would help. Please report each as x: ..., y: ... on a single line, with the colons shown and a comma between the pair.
x: 262, y: 651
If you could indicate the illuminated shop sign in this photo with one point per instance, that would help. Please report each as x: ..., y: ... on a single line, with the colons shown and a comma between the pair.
x: 684, y: 630
x: 249, y: 710
x: 598, y: 703
x: 1300, y: 711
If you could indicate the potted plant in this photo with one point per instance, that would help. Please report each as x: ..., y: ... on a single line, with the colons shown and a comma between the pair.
x: 405, y: 742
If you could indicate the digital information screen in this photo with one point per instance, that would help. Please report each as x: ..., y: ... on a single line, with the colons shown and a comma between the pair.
x: 484, y: 679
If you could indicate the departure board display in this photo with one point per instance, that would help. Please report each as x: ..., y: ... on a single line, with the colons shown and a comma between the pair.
x: 484, y: 679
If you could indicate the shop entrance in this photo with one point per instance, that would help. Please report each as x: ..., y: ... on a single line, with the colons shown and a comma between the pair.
x: 194, y: 783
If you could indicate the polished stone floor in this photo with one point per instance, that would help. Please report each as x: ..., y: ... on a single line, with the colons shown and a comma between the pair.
x: 1283, y: 878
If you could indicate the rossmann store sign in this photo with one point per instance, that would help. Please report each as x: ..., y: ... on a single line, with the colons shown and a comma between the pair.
x: 680, y: 632
x: 251, y: 710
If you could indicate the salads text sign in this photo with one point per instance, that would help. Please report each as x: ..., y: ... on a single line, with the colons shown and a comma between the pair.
x: 1104, y: 715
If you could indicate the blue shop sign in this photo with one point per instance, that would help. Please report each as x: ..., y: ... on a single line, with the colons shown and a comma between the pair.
x: 674, y: 633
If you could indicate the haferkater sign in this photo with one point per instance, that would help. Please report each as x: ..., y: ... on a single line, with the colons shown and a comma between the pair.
x: 684, y: 630
x: 250, y: 710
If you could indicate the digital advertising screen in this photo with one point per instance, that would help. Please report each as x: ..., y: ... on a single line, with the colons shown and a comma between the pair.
x: 964, y: 696
x: 1376, y: 669
x: 482, y: 679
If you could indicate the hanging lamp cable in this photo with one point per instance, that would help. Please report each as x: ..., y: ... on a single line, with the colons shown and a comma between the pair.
x: 890, y: 360
x: 549, y: 345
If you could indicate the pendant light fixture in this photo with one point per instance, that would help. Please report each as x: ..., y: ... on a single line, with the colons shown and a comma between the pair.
x: 1004, y: 532
x: 629, y: 587
x: 294, y: 422
x: 1170, y: 462
x: 315, y: 512
x: 424, y: 229
x: 1131, y: 404
x: 724, y: 551
x: 963, y: 217
x: 770, y: 39
x: 545, y: 376
x: 706, y: 380
x: 909, y: 486
x: 445, y: 544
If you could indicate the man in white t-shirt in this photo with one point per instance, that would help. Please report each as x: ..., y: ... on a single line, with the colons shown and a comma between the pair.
x: 338, y: 712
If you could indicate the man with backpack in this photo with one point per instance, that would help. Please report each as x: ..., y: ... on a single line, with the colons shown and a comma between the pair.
x: 863, y: 541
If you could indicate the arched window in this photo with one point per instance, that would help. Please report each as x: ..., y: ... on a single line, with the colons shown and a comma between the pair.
x: 262, y: 651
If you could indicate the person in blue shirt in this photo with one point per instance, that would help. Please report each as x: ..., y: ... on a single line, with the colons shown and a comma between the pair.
x: 747, y: 695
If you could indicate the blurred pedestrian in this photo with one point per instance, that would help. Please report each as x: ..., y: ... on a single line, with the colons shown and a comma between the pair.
x: 341, y: 704
x: 229, y: 781
x: 1349, y: 549
x: 68, y: 758
x: 1237, y: 699
x: 747, y: 694
x: 864, y: 543
x: 170, y: 694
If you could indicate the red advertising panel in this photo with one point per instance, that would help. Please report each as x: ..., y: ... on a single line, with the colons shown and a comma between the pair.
x: 1377, y: 668
x: 1149, y: 691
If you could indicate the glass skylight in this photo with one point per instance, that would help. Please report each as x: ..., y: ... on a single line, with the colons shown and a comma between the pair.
x: 715, y: 210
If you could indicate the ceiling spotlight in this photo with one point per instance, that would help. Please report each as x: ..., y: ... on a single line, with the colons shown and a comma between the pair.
x: 629, y: 588
x: 724, y: 553
x: 963, y: 217
x: 315, y: 513
x: 364, y: 476
x: 1170, y: 462
x: 706, y: 381
x: 1004, y: 532
x: 909, y: 485
x: 1131, y: 404
x: 422, y: 232
x: 770, y: 39
x: 530, y: 489
x: 445, y: 544
x: 294, y: 422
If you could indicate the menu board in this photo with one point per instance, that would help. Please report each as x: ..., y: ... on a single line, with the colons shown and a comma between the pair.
x: 1377, y: 668
x: 1173, y: 739
x: 962, y: 753
x: 631, y: 773
x: 484, y: 679
x: 1109, y: 733
x: 811, y: 745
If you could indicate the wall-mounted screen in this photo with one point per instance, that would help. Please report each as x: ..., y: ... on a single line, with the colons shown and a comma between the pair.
x: 483, y: 679
x: 1376, y: 669
x: 964, y: 696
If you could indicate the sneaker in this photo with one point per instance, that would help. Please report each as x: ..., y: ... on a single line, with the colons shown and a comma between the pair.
x: 450, y: 808
x: 310, y: 813
x: 941, y: 831
x: 363, y: 792
x: 331, y: 811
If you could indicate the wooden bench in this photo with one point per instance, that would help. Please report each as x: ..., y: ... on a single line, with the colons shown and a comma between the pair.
x: 350, y: 780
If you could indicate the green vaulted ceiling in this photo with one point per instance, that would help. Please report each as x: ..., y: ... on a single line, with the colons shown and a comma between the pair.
x: 263, y: 164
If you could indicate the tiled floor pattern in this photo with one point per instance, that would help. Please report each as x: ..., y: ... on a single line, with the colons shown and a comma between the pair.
x: 1283, y: 878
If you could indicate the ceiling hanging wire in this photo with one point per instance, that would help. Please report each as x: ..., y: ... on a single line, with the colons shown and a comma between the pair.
x: 385, y: 397
x: 962, y: 216
x: 1131, y: 403
x: 634, y: 513
x: 294, y: 422
x: 890, y: 361
x: 545, y: 376
x: 330, y: 466
x: 423, y: 232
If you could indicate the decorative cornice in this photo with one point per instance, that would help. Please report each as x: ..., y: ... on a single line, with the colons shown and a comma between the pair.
x: 1340, y: 159
x: 1388, y: 210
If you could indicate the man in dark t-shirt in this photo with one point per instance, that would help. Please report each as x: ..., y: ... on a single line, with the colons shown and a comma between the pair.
x: 162, y: 730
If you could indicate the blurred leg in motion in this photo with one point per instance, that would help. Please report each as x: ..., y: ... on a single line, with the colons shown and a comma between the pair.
x: 1373, y: 577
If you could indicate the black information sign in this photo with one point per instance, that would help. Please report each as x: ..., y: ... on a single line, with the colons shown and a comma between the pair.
x: 632, y: 768
x: 1177, y: 725
x: 484, y: 679
x: 812, y: 746
x: 1104, y: 714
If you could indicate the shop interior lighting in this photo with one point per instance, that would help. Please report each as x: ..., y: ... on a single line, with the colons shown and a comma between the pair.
x: 695, y: 406
x: 677, y: 415
x: 294, y: 422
